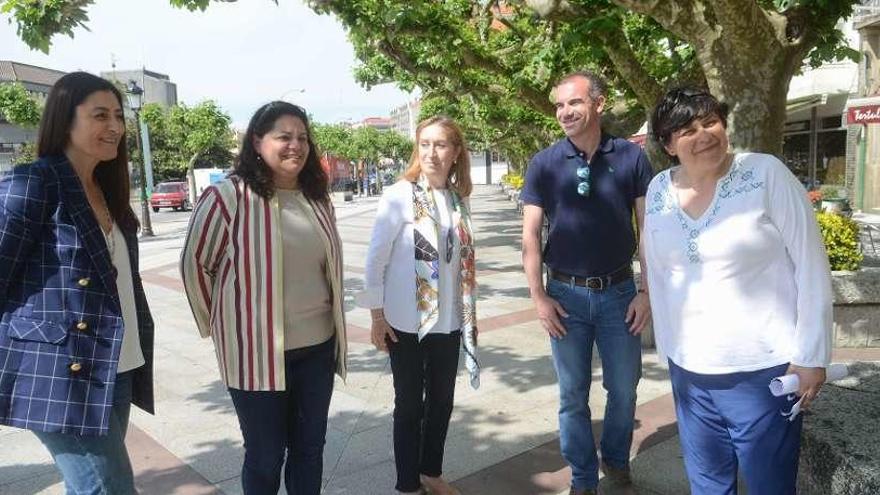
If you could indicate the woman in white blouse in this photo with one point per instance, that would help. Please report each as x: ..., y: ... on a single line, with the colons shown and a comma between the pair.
x: 420, y: 290
x: 741, y: 293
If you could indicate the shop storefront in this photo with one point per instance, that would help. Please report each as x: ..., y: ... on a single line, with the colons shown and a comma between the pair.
x: 863, y: 119
x: 814, y: 146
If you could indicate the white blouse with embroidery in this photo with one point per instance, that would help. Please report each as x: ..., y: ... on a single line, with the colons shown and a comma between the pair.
x: 745, y: 286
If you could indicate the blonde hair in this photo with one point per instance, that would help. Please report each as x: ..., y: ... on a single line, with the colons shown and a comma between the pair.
x: 460, y: 173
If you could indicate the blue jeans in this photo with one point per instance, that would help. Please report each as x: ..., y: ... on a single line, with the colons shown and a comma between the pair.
x: 595, y: 316
x: 289, y: 424
x: 731, y: 422
x: 96, y: 465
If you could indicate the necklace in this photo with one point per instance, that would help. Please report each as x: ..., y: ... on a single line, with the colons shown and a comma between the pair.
x: 109, y: 238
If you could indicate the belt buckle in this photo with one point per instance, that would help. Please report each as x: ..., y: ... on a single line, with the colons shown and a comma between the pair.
x: 595, y: 283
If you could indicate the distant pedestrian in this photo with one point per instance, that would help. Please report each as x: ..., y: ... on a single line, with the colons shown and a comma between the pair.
x: 741, y: 292
x: 262, y: 268
x: 591, y: 187
x: 76, y: 336
x: 420, y: 288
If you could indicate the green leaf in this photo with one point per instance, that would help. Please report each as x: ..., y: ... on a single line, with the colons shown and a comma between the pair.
x: 18, y: 106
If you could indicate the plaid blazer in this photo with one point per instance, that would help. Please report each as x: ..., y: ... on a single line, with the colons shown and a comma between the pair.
x: 61, y: 326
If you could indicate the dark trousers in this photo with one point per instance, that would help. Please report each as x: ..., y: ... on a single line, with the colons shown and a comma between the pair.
x: 291, y: 422
x: 424, y: 388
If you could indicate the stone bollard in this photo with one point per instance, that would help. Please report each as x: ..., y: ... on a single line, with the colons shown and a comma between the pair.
x: 840, y: 449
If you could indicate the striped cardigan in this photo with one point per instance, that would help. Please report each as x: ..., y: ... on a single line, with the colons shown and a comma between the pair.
x: 231, y: 266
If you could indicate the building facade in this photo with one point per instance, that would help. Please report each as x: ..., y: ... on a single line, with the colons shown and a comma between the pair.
x: 158, y: 88
x: 378, y: 123
x: 405, y: 118
x: 862, y: 115
x: 815, y: 135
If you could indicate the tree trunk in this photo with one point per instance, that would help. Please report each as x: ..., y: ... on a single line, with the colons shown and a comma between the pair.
x: 191, y: 178
x: 756, y: 94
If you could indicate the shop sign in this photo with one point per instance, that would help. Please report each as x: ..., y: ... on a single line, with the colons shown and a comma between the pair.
x: 868, y: 114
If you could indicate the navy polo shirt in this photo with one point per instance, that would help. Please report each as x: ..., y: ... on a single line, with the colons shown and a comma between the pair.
x: 589, y: 236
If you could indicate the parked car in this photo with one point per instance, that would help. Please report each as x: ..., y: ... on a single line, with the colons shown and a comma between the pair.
x: 170, y: 195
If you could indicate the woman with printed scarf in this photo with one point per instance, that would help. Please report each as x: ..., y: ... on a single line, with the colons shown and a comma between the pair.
x: 420, y: 288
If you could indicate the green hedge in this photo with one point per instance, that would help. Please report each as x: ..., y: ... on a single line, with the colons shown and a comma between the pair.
x: 841, y: 236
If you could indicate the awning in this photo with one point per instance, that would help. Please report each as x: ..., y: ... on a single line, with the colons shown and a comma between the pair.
x: 861, y: 102
x: 805, y: 102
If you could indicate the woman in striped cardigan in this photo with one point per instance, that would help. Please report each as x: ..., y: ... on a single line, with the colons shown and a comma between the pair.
x: 262, y: 268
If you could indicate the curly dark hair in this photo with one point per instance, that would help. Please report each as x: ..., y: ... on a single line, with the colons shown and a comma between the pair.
x: 250, y: 167
x: 678, y: 108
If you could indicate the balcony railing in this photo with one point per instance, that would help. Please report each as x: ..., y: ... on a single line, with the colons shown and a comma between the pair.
x: 868, y: 8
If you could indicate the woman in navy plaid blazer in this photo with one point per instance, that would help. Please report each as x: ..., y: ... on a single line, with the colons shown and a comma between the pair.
x: 76, y: 336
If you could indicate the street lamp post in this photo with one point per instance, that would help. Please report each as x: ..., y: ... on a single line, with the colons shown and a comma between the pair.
x: 135, y: 99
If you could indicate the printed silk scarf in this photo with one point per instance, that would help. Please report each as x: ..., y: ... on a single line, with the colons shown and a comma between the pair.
x: 426, y: 230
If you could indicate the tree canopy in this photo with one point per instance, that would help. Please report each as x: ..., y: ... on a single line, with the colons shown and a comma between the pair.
x: 492, y: 64
x: 362, y: 144
x: 182, y: 137
x: 18, y: 107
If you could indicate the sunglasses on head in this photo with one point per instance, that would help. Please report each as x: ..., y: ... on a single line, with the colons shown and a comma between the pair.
x: 676, y: 96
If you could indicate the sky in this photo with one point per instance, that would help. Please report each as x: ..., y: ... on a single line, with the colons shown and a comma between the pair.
x: 240, y: 54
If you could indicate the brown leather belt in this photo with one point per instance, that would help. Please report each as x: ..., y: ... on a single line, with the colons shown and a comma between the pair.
x: 596, y: 283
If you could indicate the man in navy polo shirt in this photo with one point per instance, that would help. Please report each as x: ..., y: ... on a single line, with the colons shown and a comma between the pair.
x: 588, y: 185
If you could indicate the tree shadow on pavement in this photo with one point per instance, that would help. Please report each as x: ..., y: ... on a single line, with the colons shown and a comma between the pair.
x: 214, y: 398
x: 27, y: 479
x: 515, y: 371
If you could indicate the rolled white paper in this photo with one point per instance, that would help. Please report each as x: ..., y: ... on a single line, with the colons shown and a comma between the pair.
x: 789, y: 384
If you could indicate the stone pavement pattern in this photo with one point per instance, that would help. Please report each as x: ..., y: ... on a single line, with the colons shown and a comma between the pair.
x: 503, y: 438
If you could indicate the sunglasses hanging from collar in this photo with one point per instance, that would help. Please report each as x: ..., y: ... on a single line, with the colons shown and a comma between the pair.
x: 583, y: 175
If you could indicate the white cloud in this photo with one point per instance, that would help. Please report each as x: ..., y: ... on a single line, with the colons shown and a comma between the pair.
x: 241, y: 54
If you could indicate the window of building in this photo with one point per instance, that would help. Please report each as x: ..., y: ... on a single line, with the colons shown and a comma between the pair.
x: 796, y: 155
x: 829, y: 166
x: 831, y: 157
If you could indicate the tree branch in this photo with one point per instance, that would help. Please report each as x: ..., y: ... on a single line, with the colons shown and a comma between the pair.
x: 643, y: 84
x: 747, y: 22
x: 534, y: 98
x: 690, y: 20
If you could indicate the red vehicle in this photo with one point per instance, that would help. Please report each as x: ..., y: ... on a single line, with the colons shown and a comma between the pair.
x: 170, y: 195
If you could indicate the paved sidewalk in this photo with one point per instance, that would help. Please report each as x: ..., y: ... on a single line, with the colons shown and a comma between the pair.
x: 502, y: 440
